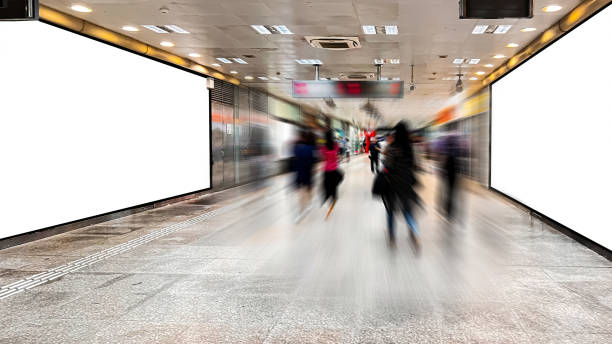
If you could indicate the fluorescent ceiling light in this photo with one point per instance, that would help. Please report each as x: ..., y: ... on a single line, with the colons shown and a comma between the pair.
x: 155, y: 28
x: 262, y: 78
x: 474, y: 61
x: 501, y: 29
x: 194, y: 55
x: 167, y: 44
x: 239, y: 60
x: 528, y: 29
x: 248, y: 77
x: 480, y: 72
x: 512, y: 45
x: 282, y: 29
x: 458, y: 61
x: 396, y: 78
x: 369, y: 29
x: 309, y: 61
x: 384, y: 78
x: 552, y: 8
x: 81, y: 8
x: 274, y: 78
x: 473, y: 78
x: 216, y: 65
x: 498, y: 56
x: 130, y: 28
x: 479, y: 29
x: 176, y: 29
x: 224, y: 60
x: 233, y: 72
x: 322, y: 78
x: 394, y: 61
x: 488, y: 65
x: 391, y: 30
x: 261, y: 29
x: 379, y: 61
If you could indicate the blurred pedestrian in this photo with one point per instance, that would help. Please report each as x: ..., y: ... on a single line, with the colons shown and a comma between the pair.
x: 374, y: 153
x: 450, y: 170
x: 399, y: 169
x: 331, y: 174
x: 305, y: 159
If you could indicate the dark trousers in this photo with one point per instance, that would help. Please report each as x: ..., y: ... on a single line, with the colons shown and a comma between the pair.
x: 374, y: 164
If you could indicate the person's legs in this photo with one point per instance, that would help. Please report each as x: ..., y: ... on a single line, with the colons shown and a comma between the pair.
x: 390, y: 225
x: 411, y: 223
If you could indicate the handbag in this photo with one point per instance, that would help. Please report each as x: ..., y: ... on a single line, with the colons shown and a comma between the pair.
x: 381, y: 184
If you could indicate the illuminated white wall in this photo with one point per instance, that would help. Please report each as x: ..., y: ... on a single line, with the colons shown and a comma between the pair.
x: 551, y: 131
x: 86, y: 128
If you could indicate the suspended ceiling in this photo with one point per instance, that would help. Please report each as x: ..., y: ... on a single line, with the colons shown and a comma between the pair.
x: 427, y: 30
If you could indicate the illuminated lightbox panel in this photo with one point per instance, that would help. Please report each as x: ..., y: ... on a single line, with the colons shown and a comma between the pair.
x: 551, y: 131
x: 87, y: 128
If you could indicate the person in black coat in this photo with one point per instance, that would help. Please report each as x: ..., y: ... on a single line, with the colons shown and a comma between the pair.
x: 399, y: 168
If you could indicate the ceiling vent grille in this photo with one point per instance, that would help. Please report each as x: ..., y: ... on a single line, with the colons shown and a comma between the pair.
x: 333, y: 43
x: 223, y: 92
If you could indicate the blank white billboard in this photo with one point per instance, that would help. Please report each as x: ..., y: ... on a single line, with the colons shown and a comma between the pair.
x: 87, y: 128
x: 551, y: 131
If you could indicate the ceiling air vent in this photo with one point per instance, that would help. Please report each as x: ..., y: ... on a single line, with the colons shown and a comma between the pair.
x: 333, y: 43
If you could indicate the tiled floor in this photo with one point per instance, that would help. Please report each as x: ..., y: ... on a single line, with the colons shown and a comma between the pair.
x: 249, y: 274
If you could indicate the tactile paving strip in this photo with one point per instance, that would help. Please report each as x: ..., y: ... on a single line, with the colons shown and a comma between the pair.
x: 44, y: 277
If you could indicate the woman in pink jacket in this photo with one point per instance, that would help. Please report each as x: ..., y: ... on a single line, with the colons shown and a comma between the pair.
x: 331, y: 175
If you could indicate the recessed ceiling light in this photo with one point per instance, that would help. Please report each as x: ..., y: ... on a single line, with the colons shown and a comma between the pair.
x: 458, y: 61
x: 167, y: 44
x: 155, y: 28
x: 473, y: 78
x: 394, y: 61
x: 384, y: 78
x: 261, y: 29
x: 369, y: 29
x: 216, y: 65
x: 479, y: 29
x: 239, y: 60
x: 194, y: 55
x: 130, y: 28
x: 248, y: 77
x: 391, y: 29
x: 176, y: 29
x: 512, y: 45
x: 498, y: 56
x: 274, y: 78
x: 528, y: 29
x: 501, y: 29
x: 335, y: 79
x: 379, y: 61
x: 81, y: 8
x: 474, y: 61
x: 224, y: 60
x: 480, y: 73
x: 488, y: 65
x: 282, y: 29
x: 552, y: 8
x: 322, y: 78
x: 233, y: 72
x: 396, y: 78
x: 262, y: 78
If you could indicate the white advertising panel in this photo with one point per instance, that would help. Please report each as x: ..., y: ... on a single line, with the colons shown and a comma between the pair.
x: 87, y: 128
x: 551, y: 131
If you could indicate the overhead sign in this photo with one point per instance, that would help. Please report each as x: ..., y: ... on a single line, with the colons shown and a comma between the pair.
x: 347, y: 89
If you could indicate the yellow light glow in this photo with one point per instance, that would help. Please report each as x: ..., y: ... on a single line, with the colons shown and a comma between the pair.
x: 528, y: 29
x: 488, y: 65
x: 512, y: 45
x: 473, y: 78
x: 233, y: 72
x: 248, y: 77
x: 552, y: 8
x: 480, y: 72
x: 81, y: 8
x: 167, y: 44
x: 499, y: 56
x: 130, y: 28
